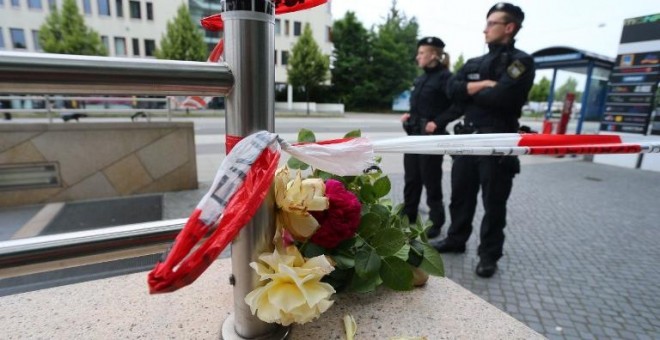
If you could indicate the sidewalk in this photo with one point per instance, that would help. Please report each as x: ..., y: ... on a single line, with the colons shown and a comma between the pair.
x: 580, y: 258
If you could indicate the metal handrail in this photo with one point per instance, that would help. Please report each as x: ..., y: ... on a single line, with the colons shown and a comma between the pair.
x: 53, y: 252
x: 45, y: 73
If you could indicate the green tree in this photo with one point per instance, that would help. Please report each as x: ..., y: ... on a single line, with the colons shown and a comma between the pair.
x: 460, y: 61
x: 570, y: 86
x: 540, y: 91
x: 392, y: 67
x: 183, y: 40
x: 65, y: 32
x: 307, y: 67
x: 352, y: 52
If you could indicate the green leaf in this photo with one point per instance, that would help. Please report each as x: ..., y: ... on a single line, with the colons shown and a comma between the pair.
x: 344, y: 261
x: 388, y: 241
x: 369, y: 225
x: 312, y: 250
x: 403, y: 252
x: 432, y: 262
x: 353, y: 134
x: 396, y: 273
x: 294, y: 163
x: 305, y: 135
x: 381, y: 211
x: 416, y: 254
x: 322, y: 175
x: 382, y: 187
x: 397, y: 209
x: 364, y: 285
x: 367, y: 193
x: 367, y: 262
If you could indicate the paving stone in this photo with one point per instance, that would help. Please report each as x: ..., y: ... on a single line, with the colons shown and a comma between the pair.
x: 564, y: 229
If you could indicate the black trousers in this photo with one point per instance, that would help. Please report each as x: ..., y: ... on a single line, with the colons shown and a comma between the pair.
x: 494, y: 175
x: 423, y: 170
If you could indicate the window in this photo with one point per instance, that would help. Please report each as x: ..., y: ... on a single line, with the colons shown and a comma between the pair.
x: 134, y: 7
x: 119, y: 7
x: 2, y: 39
x: 52, y: 4
x: 120, y: 46
x: 149, y: 47
x: 286, y: 27
x: 278, y: 26
x: 87, y: 6
x: 328, y: 34
x: 275, y: 57
x: 17, y: 38
x: 285, y: 57
x: 150, y: 11
x: 136, y: 46
x: 35, y: 39
x: 106, y: 43
x: 297, y: 28
x: 34, y: 4
x: 15, y: 3
x: 104, y: 7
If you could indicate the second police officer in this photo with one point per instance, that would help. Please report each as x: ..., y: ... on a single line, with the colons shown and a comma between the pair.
x: 428, y: 102
x: 491, y: 90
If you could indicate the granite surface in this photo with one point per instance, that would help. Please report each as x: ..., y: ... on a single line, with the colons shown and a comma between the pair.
x: 121, y: 308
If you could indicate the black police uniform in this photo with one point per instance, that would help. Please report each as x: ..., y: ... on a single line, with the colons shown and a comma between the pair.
x: 428, y: 101
x: 491, y: 110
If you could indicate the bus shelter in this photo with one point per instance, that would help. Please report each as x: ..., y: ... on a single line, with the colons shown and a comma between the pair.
x: 595, y: 67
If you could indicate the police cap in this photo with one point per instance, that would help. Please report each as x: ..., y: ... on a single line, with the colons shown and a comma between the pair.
x: 431, y: 41
x: 514, y: 11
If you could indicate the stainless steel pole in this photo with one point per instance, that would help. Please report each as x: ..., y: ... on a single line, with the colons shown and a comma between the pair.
x: 249, y: 53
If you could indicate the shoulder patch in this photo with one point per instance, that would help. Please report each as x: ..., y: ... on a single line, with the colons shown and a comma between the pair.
x: 516, y: 69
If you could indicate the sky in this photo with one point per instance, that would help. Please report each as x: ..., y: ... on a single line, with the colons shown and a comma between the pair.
x: 592, y: 25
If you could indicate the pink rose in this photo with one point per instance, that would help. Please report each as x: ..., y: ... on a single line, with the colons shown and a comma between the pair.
x: 341, y: 220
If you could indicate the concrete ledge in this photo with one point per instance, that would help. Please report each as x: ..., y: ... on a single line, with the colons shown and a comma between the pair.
x: 121, y: 307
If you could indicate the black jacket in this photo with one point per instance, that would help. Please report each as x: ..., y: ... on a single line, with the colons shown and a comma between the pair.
x: 428, y: 100
x: 495, y: 109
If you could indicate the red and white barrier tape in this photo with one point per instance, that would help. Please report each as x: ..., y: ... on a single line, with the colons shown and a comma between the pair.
x: 246, y: 174
x: 515, y: 144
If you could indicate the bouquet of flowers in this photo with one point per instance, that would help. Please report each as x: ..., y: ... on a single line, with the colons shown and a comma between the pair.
x: 336, y: 233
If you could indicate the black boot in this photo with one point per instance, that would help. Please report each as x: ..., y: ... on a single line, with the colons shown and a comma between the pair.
x: 433, y: 232
x: 445, y: 246
x: 486, y: 268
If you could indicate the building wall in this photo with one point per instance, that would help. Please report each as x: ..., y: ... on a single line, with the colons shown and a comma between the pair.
x: 320, y: 19
x: 111, y: 26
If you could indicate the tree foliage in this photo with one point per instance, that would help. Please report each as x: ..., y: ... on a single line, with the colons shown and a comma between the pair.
x: 393, y: 66
x: 570, y: 86
x: 460, y: 61
x: 373, y: 67
x: 307, y: 67
x: 540, y: 91
x: 183, y: 40
x: 352, y: 53
x: 65, y: 32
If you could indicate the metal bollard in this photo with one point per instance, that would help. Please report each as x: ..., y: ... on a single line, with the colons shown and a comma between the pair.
x: 249, y: 52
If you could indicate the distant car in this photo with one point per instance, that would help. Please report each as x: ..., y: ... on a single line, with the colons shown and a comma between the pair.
x: 650, y: 59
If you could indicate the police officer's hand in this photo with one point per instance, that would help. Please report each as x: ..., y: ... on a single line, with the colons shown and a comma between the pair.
x: 405, y: 117
x: 476, y: 86
x: 430, y: 127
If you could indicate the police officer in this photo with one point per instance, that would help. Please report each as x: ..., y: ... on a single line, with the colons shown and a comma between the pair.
x: 492, y: 89
x: 428, y: 101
